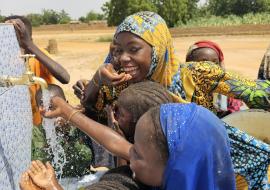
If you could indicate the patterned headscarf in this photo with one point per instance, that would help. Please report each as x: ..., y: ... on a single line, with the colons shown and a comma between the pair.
x: 164, y: 67
x: 199, y: 151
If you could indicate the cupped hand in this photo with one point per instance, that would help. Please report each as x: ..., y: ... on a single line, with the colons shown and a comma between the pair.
x: 79, y: 87
x: 108, y: 76
x: 42, y: 175
x: 58, y: 105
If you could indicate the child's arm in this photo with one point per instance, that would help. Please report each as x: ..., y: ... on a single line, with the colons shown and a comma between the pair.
x: 26, y: 42
x: 59, y: 72
x: 105, y: 136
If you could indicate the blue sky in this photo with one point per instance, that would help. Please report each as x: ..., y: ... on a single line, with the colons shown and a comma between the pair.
x: 75, y: 8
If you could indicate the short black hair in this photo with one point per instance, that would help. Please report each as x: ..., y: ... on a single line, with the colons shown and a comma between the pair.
x: 53, y: 89
x: 26, y: 22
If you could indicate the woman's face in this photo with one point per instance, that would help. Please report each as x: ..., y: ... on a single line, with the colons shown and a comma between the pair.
x: 145, y: 160
x: 134, y: 55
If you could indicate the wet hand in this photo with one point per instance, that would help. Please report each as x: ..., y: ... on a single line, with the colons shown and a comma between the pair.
x: 58, y: 105
x: 108, y: 76
x: 43, y: 175
x: 79, y: 88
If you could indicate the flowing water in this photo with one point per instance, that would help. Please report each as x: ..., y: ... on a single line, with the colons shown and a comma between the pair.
x: 53, y: 139
x: 15, y: 114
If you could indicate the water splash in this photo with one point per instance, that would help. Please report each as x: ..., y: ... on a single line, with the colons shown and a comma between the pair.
x: 53, y: 139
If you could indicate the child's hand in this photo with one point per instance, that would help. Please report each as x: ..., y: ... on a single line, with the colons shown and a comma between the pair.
x: 108, y: 76
x: 43, y: 175
x: 22, y: 33
x: 56, y: 110
x: 112, y: 122
x: 79, y: 88
x: 26, y: 183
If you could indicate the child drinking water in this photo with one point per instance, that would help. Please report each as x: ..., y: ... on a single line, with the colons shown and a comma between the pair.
x: 168, y: 146
x: 73, y: 141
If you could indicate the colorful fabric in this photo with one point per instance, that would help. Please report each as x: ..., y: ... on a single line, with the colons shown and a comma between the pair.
x: 202, y: 79
x: 199, y: 151
x: 74, y: 143
x: 40, y: 71
x: 251, y: 158
x: 192, y: 81
x: 207, y: 44
x: 164, y: 67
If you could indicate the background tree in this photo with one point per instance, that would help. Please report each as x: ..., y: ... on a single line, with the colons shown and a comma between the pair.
x: 35, y: 19
x: 115, y: 11
x: 92, y: 15
x: 237, y: 7
x: 50, y: 16
x: 173, y: 11
x: 63, y: 17
x: 2, y: 18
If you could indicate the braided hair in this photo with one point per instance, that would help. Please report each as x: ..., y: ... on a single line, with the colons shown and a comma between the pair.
x: 138, y: 98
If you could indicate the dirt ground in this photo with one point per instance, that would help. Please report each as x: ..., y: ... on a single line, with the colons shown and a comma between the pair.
x: 81, y: 54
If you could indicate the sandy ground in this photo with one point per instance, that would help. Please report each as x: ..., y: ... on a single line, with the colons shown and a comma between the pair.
x: 81, y: 54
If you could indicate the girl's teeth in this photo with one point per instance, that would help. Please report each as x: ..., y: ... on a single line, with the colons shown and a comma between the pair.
x: 130, y: 69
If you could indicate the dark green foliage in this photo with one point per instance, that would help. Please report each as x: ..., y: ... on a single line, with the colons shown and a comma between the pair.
x: 117, y: 10
x: 2, y: 18
x: 35, y: 19
x: 238, y: 7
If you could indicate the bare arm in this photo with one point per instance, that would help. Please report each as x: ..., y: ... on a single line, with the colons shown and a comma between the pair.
x: 59, y: 72
x: 26, y: 42
x: 102, y: 134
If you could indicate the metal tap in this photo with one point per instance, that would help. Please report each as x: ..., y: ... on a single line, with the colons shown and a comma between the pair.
x: 28, y: 78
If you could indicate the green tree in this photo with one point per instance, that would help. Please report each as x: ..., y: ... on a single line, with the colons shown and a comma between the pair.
x: 50, y: 16
x: 237, y: 7
x: 173, y: 11
x: 64, y: 17
x: 115, y: 11
x: 35, y: 19
x: 192, y: 9
x: 2, y: 18
x: 94, y: 16
x: 82, y: 19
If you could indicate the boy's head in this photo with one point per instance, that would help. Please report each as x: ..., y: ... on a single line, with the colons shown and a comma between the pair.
x: 149, y: 154
x: 26, y: 22
x: 54, y: 90
x: 137, y: 99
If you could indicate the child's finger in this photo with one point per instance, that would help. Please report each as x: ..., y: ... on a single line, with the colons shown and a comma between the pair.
x: 122, y: 80
x: 31, y: 173
x: 49, y: 166
x: 32, y: 169
x: 41, y: 165
x: 35, y: 166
